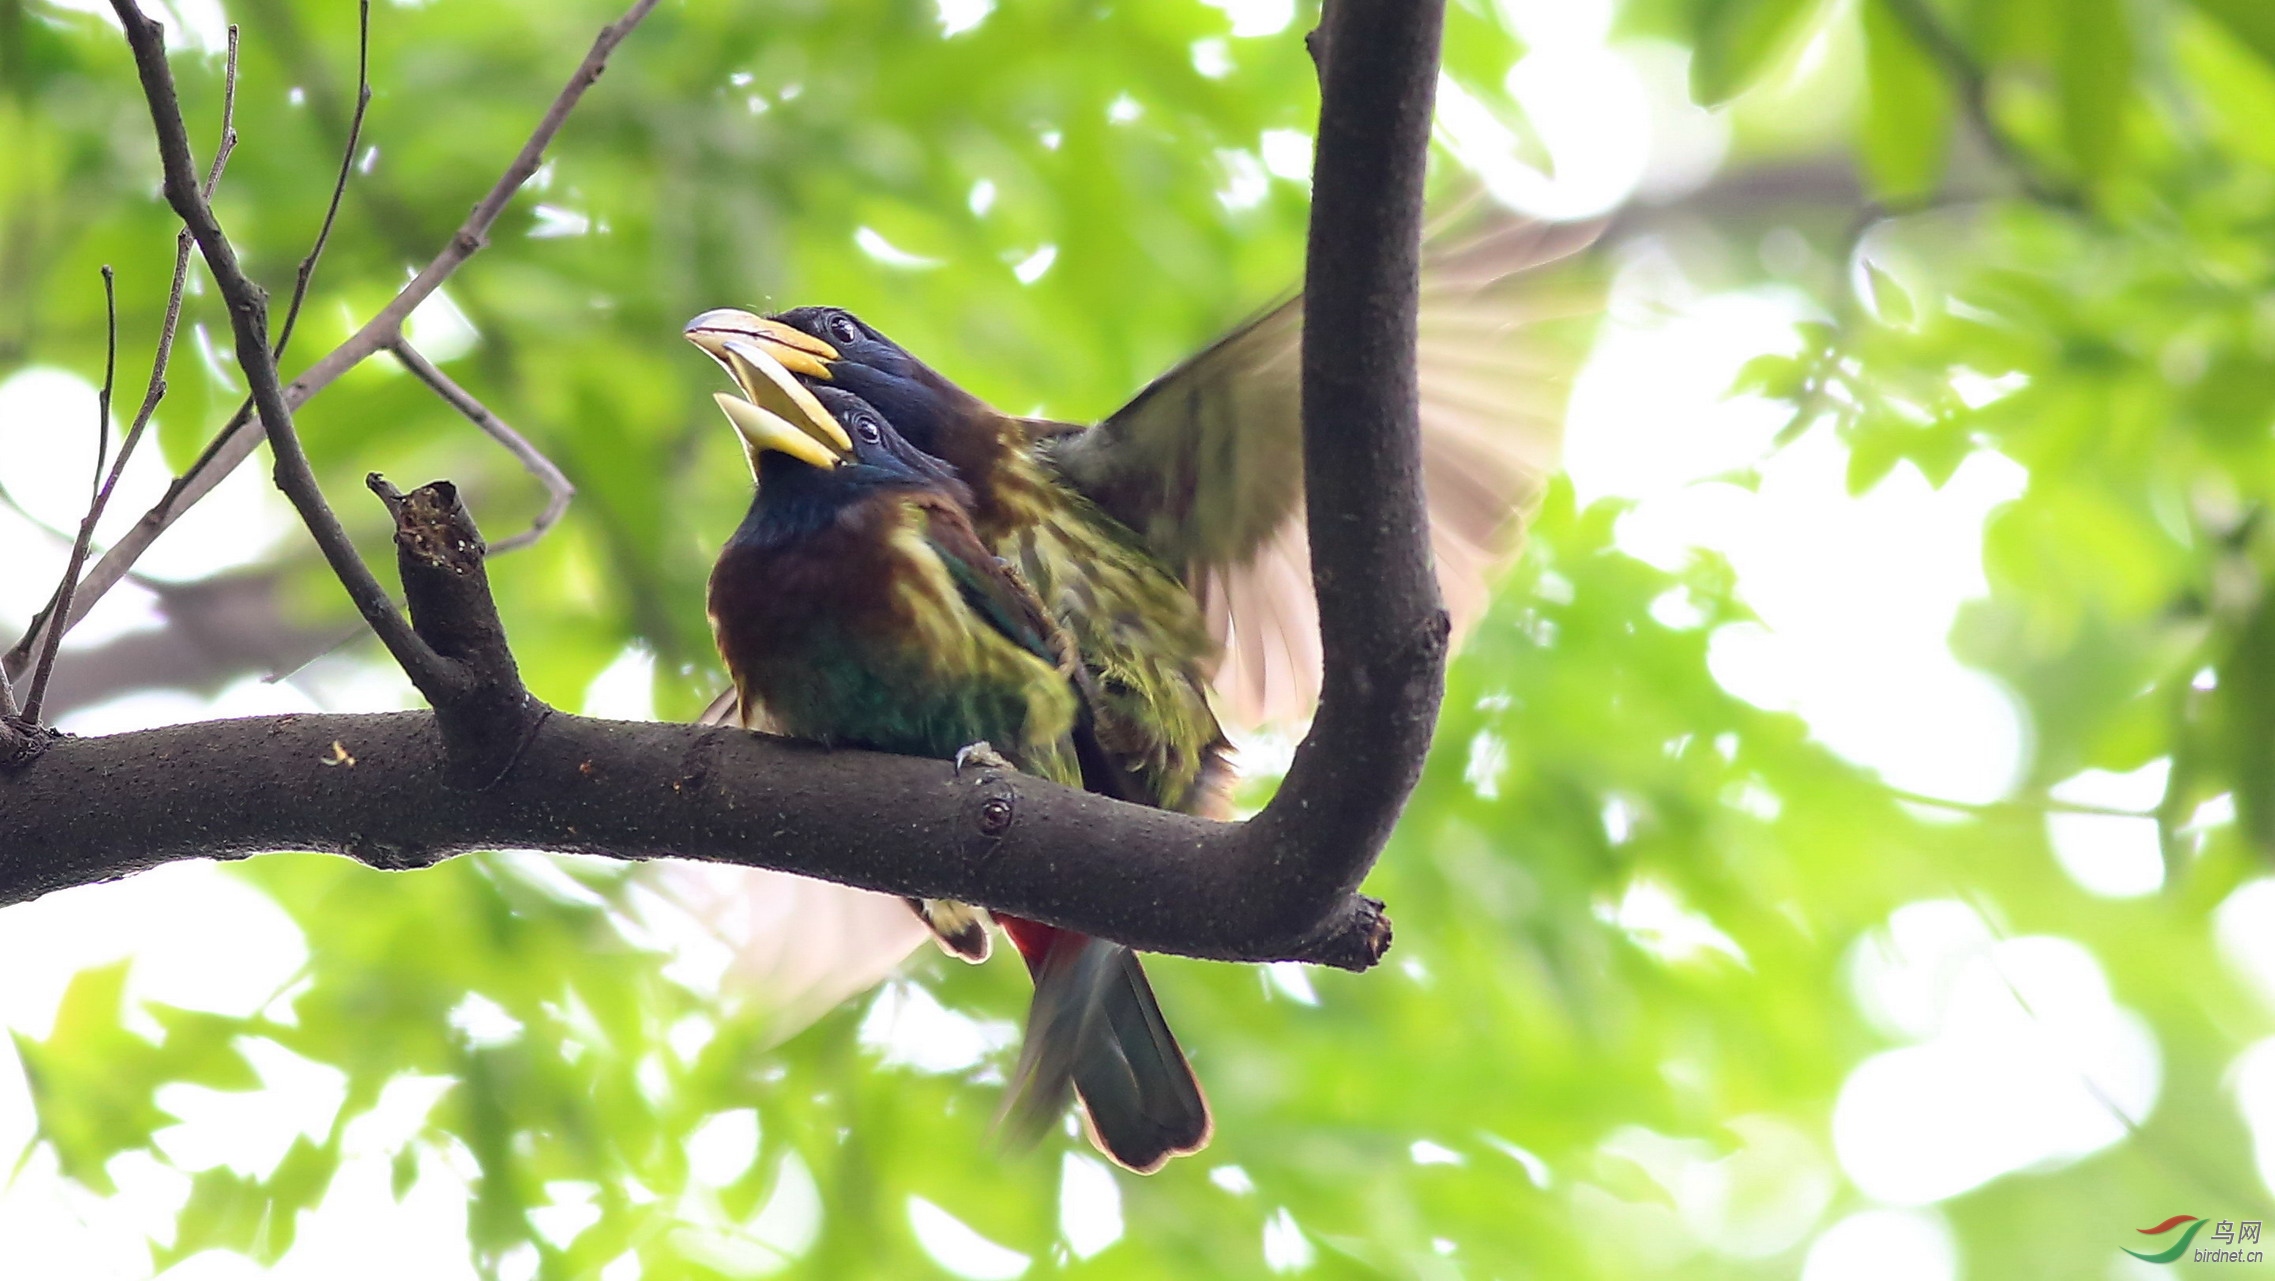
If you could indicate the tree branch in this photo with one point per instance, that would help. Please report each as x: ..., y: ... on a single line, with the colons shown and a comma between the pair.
x: 558, y: 490
x: 307, y: 273
x: 248, y: 319
x: 237, y: 440
x: 377, y: 788
x: 395, y: 791
x: 97, y: 491
x: 45, y: 631
x: 1383, y: 629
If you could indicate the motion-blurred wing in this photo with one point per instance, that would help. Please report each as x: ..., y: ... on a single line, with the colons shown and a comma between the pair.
x: 796, y: 944
x: 1206, y: 463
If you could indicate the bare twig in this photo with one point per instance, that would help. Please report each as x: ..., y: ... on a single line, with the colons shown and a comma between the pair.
x: 37, y: 636
x: 248, y: 317
x: 103, y: 400
x: 558, y: 490
x: 228, y: 144
x: 36, y: 695
x: 2020, y: 805
x: 236, y: 441
x: 1973, y: 85
x: 307, y: 271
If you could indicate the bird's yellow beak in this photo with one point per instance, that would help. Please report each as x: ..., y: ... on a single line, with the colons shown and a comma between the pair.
x: 763, y: 429
x: 775, y: 410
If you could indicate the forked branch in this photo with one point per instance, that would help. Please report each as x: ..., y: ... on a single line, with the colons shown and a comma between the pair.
x: 396, y: 791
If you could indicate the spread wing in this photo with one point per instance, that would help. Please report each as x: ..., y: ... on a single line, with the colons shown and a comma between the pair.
x: 1206, y: 463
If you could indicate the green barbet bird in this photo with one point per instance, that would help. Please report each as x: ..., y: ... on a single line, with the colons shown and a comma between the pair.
x: 856, y: 605
x: 1167, y: 541
x: 1169, y: 538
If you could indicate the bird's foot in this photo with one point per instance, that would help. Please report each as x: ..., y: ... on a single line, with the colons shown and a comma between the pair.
x: 980, y: 755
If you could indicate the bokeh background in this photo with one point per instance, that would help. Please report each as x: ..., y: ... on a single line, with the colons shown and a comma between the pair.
x: 1844, y: 856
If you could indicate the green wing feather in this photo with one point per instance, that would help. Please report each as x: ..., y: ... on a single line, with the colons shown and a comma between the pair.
x: 1205, y: 464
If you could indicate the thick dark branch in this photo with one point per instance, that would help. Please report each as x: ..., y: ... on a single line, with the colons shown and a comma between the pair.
x: 377, y: 788
x: 237, y: 439
x: 248, y: 319
x: 1382, y: 627
x: 487, y: 716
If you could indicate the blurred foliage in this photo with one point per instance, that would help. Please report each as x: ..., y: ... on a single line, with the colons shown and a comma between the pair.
x: 2065, y: 253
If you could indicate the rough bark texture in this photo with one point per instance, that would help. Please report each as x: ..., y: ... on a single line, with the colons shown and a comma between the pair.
x: 378, y: 788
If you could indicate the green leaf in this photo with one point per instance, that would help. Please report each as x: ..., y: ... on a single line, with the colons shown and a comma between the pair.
x: 403, y: 1171
x: 1737, y: 41
x: 1774, y: 375
x: 225, y: 1211
x: 2251, y: 21
x: 93, y: 1083
x: 1906, y: 125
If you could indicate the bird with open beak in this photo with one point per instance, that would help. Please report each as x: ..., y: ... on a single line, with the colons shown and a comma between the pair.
x: 857, y: 606
x: 1169, y: 538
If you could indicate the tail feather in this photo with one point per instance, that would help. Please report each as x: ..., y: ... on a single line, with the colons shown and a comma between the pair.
x: 1096, y: 1030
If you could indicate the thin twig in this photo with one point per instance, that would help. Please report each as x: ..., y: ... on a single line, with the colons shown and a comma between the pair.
x: 36, y: 695
x: 248, y: 317
x: 2020, y: 805
x: 36, y: 637
x: 340, y: 184
x: 558, y: 490
x: 1973, y: 85
x: 236, y: 441
x: 228, y: 144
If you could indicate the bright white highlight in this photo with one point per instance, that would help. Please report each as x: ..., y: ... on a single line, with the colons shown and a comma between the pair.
x: 960, y: 16
x: 1855, y: 616
x: 1245, y: 182
x: 440, y: 330
x: 2110, y: 856
x: 1090, y: 1205
x: 723, y: 1147
x: 1290, y: 979
x: 2254, y: 1080
x: 955, y: 1246
x: 2023, y: 1058
x: 625, y: 690
x: 1757, y: 1201
x: 1251, y: 18
x: 2245, y: 927
x: 1286, y: 1248
x: 906, y: 1026
x: 1656, y: 921
x: 554, y: 222
x: 873, y: 243
x: 1036, y: 265
x: 1883, y: 1245
x: 1287, y: 154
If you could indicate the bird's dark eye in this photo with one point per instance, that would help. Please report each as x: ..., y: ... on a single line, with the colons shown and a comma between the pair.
x: 844, y: 328
x: 867, y: 429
